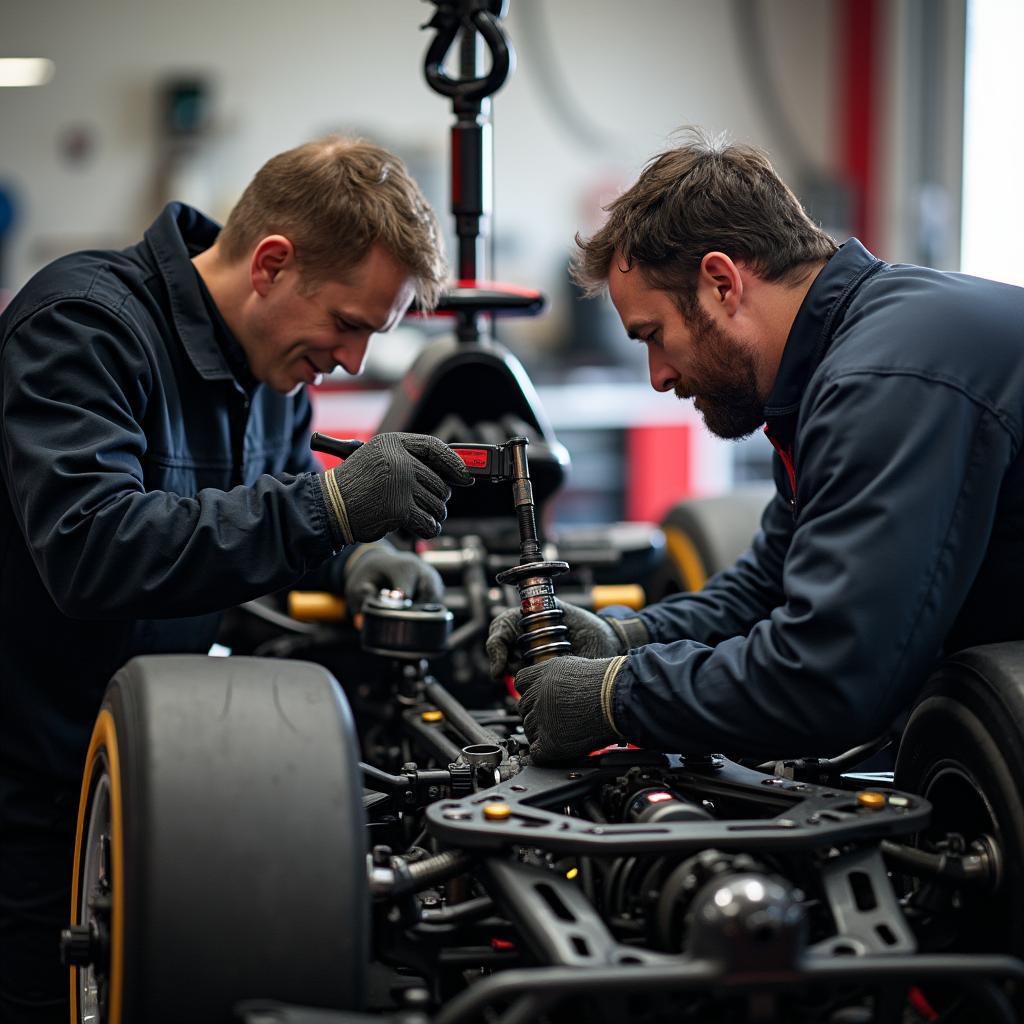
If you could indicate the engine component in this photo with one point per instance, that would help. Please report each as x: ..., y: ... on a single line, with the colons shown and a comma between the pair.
x: 394, y: 626
x: 645, y: 796
x: 709, y: 869
x: 747, y: 922
x: 656, y: 805
x: 390, y: 876
x: 483, y: 755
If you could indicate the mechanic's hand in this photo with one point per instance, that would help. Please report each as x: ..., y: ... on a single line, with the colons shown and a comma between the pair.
x: 394, y: 481
x: 374, y: 567
x: 591, y: 636
x: 566, y: 706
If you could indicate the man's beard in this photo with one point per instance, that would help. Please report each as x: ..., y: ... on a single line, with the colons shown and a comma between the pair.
x: 723, y: 381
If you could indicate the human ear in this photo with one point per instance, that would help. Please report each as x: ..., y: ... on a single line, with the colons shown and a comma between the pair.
x: 721, y: 281
x: 270, y: 256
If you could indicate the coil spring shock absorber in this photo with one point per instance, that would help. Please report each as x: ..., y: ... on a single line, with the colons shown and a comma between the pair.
x: 542, y: 635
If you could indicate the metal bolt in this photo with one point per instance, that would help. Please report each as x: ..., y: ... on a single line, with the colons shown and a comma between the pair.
x: 871, y: 800
x: 78, y: 945
x: 415, y: 997
x: 497, y: 812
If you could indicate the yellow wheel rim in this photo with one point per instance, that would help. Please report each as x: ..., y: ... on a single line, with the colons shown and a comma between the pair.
x: 103, y: 752
x: 684, y: 556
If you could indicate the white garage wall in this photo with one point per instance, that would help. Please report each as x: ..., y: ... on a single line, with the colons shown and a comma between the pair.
x: 283, y: 73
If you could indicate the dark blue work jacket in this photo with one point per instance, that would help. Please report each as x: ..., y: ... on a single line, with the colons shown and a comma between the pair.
x: 144, y: 488
x: 896, y: 531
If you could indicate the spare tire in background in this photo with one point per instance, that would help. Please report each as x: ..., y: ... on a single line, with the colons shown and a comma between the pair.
x: 706, y: 535
x: 221, y: 845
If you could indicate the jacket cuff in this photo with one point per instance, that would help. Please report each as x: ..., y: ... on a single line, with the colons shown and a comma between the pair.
x: 337, y: 515
x: 632, y: 632
x: 608, y: 690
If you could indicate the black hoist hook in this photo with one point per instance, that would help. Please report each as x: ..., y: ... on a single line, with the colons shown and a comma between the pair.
x: 469, y: 16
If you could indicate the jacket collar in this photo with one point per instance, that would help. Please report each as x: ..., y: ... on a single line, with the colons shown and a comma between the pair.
x: 816, y: 322
x: 178, y: 234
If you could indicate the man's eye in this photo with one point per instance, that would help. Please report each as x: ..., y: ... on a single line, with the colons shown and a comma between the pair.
x: 344, y: 325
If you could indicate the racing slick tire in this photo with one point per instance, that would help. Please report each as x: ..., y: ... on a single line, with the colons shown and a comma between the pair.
x: 706, y: 535
x: 963, y: 750
x: 220, y: 850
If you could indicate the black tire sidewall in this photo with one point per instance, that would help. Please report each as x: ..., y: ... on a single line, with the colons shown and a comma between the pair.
x: 970, y: 721
x: 169, y: 837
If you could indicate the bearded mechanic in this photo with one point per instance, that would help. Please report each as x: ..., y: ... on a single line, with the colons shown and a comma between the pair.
x: 894, y: 397
x: 156, y: 470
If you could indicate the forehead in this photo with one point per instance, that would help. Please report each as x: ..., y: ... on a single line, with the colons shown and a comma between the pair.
x: 632, y: 296
x: 378, y: 284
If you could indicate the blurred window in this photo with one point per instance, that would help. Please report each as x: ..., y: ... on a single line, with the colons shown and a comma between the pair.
x: 993, y: 200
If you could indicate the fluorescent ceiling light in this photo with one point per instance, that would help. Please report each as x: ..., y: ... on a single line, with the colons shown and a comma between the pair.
x: 21, y: 71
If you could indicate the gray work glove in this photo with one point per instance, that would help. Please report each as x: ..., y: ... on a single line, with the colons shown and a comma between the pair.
x: 374, y: 567
x: 566, y: 706
x: 394, y: 481
x: 591, y: 636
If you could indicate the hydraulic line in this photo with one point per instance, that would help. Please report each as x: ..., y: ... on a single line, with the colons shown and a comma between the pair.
x: 471, y: 910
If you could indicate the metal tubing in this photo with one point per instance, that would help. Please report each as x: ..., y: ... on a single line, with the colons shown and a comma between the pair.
x: 548, y: 983
x: 432, y: 737
x: 458, y: 717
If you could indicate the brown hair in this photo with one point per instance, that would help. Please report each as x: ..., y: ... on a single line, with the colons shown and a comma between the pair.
x: 334, y: 198
x: 701, y: 197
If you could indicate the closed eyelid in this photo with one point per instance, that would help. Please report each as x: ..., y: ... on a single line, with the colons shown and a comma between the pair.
x: 345, y: 323
x: 643, y: 331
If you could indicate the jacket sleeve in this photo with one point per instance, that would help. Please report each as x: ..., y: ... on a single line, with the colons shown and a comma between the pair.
x: 734, y: 599
x: 898, y: 479
x: 75, y: 379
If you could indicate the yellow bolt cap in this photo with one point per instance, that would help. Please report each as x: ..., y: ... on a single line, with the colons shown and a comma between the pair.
x: 870, y: 799
x: 497, y: 812
x: 432, y: 716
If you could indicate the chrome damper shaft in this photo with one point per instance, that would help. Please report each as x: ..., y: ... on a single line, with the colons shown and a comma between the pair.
x: 541, y: 633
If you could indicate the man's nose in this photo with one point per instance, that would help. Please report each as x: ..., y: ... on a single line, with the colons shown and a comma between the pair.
x: 351, y: 355
x: 663, y: 376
